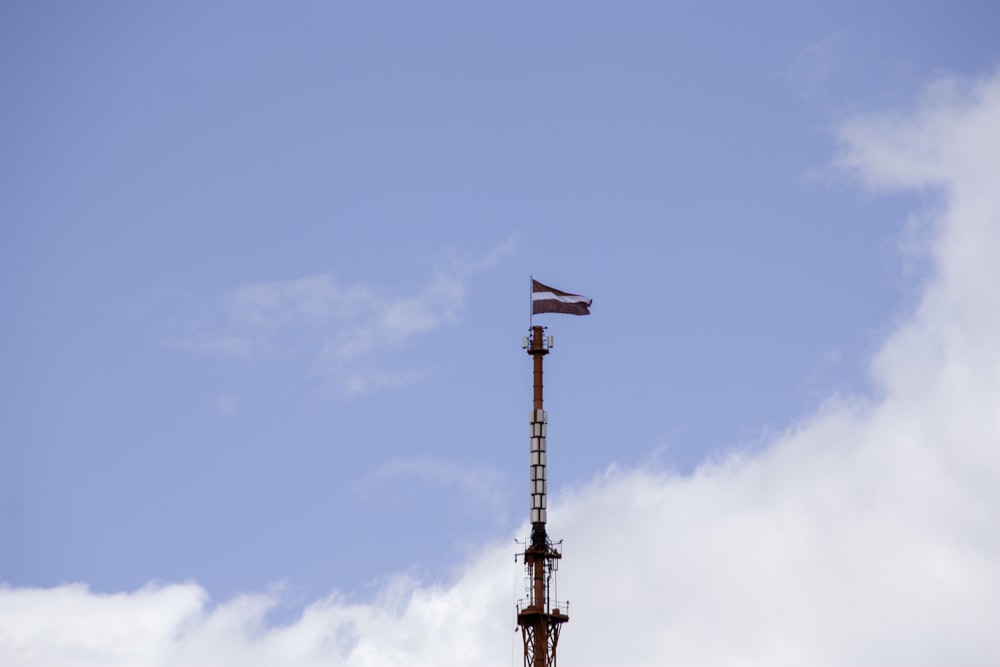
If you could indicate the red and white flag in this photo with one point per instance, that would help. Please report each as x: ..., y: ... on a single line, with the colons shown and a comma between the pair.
x: 545, y: 299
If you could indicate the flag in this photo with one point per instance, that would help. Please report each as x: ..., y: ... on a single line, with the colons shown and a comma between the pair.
x: 545, y: 299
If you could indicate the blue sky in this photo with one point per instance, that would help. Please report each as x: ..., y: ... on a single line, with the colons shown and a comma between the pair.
x: 267, y: 267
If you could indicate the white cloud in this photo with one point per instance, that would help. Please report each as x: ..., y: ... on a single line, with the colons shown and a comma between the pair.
x: 173, y: 626
x: 867, y: 534
x: 342, y: 330
x: 69, y: 625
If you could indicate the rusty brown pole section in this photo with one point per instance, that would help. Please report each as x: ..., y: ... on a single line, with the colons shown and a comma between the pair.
x: 537, y: 350
x: 541, y: 635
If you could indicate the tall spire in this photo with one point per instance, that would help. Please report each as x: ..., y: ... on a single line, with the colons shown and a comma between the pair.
x: 539, y: 615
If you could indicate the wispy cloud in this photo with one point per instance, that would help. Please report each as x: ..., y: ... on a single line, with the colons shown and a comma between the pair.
x: 341, y: 329
x: 864, y: 535
x: 475, y: 488
x: 812, y: 67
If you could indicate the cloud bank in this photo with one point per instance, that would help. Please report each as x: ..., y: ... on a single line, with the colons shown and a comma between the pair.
x: 867, y: 534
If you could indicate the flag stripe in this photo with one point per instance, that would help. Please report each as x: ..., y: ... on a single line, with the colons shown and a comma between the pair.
x: 553, y: 306
x: 565, y: 298
x: 537, y: 287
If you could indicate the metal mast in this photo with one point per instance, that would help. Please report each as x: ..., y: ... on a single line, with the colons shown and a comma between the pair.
x: 539, y: 614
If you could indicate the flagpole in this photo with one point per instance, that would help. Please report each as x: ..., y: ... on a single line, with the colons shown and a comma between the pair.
x: 531, y: 303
